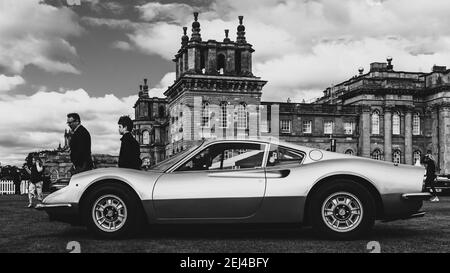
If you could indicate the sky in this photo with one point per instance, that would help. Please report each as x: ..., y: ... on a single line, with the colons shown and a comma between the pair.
x: 89, y: 56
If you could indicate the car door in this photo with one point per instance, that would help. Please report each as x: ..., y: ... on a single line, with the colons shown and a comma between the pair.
x: 223, y: 180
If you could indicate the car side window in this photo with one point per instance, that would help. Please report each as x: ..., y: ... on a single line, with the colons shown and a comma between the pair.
x: 279, y: 155
x: 226, y: 156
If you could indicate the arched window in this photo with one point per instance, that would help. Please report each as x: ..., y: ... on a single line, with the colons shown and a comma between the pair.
x: 242, y: 117
x: 145, y: 137
x: 396, y: 123
x: 416, y: 124
x: 349, y: 152
x: 203, y: 56
x: 223, y: 115
x: 396, y: 157
x: 205, y: 114
x: 376, y: 123
x: 377, y: 155
x: 417, y: 155
x: 221, y: 63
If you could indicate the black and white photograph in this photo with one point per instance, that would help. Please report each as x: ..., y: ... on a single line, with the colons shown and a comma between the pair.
x: 224, y: 131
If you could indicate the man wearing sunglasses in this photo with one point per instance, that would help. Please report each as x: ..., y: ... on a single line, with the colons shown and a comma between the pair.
x: 80, y: 144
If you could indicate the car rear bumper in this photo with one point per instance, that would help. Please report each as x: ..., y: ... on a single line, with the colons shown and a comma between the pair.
x: 67, y: 212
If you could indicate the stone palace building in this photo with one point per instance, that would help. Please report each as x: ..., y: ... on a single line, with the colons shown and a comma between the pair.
x: 384, y: 114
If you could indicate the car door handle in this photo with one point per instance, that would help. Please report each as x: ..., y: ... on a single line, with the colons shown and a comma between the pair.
x: 277, y: 173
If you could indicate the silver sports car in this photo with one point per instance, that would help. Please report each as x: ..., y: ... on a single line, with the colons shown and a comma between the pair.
x: 244, y: 181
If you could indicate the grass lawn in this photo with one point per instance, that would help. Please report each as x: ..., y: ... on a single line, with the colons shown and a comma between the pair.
x: 28, y: 230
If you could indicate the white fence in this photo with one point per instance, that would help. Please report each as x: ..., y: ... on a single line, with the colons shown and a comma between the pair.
x: 8, y: 187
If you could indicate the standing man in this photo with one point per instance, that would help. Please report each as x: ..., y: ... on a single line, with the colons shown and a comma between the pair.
x: 80, y: 145
x: 431, y: 175
x: 129, y: 156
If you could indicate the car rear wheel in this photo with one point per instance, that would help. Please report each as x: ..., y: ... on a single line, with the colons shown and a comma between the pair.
x: 342, y: 210
x: 111, y: 211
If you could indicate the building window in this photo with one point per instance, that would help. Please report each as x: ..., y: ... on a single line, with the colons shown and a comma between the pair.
x: 285, y: 126
x: 348, y: 128
x: 223, y: 115
x: 161, y: 111
x: 377, y: 155
x: 396, y: 124
x: 205, y: 115
x: 416, y: 124
x: 375, y: 123
x: 242, y: 117
x: 220, y: 64
x: 397, y: 157
x: 349, y: 152
x: 328, y: 128
x: 307, y: 127
x: 146, y: 138
x: 417, y: 155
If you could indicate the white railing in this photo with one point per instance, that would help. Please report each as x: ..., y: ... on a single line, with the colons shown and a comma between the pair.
x: 8, y: 187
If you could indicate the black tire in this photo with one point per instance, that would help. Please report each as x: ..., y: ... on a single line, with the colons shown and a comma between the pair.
x: 347, y: 225
x: 111, y: 191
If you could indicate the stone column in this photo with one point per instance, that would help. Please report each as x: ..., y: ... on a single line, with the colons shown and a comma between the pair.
x: 408, y: 137
x: 388, y: 134
x: 211, y: 62
x: 364, y: 132
x: 434, y: 115
x: 192, y: 52
x: 444, y: 138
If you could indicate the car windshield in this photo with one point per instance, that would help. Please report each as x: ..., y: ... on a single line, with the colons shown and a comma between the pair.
x: 165, y: 164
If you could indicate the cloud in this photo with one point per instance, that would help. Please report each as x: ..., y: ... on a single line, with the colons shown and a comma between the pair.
x: 8, y: 83
x: 172, y: 13
x: 121, y: 45
x: 34, y: 33
x: 39, y: 121
x: 161, y: 87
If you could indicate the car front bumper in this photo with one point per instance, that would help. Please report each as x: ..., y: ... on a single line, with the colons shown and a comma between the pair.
x: 421, y: 196
x: 67, y: 212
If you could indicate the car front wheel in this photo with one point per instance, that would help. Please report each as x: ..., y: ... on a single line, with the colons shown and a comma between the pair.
x: 111, y: 211
x: 343, y: 210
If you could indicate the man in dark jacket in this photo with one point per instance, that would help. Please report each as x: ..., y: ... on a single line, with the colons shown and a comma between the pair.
x: 80, y: 145
x: 430, y: 175
x: 129, y: 156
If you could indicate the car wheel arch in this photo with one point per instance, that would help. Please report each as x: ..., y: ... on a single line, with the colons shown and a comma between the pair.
x: 103, y: 182
x: 357, y: 179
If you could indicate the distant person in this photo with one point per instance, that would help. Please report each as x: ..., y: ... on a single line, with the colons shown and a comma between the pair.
x: 80, y: 145
x: 130, y: 155
x: 36, y: 180
x: 17, y: 180
x: 430, y: 175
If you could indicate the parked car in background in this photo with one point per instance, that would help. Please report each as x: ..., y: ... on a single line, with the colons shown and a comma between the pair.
x: 244, y: 181
x: 442, y: 185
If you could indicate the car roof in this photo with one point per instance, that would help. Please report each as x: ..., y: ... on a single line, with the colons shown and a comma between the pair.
x: 270, y: 140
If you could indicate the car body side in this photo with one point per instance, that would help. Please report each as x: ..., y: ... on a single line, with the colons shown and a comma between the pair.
x: 285, y: 198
